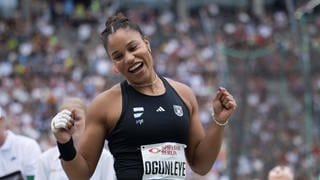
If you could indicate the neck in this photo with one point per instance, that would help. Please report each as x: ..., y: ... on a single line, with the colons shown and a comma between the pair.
x: 153, y: 82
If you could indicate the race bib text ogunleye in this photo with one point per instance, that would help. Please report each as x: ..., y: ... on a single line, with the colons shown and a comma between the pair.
x: 164, y: 161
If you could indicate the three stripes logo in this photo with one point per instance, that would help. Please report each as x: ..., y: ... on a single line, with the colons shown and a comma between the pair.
x: 160, y: 109
x: 137, y: 114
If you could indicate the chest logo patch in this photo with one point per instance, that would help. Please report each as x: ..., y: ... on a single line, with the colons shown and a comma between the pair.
x: 178, y: 110
x: 138, y: 112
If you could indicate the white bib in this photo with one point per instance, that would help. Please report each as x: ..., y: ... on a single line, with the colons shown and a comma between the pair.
x: 164, y: 161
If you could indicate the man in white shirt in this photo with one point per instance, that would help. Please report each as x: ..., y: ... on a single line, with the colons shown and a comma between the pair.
x: 18, y: 154
x: 49, y: 165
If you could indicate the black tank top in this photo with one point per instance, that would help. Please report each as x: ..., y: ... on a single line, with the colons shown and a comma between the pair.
x: 146, y: 120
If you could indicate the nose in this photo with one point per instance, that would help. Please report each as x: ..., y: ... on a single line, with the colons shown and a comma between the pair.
x: 129, y: 58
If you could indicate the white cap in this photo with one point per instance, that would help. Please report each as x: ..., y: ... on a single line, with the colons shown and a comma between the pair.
x: 280, y: 173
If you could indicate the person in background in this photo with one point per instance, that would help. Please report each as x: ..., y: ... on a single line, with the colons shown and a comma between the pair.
x: 151, y: 122
x: 49, y: 166
x: 18, y: 153
x: 280, y: 173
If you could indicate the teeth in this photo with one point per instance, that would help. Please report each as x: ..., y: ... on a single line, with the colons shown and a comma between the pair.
x: 134, y: 67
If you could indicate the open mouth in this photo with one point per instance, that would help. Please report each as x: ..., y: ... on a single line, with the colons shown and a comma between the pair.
x: 135, y: 68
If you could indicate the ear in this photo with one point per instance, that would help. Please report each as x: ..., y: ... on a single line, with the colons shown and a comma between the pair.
x: 147, y: 41
x: 115, y: 69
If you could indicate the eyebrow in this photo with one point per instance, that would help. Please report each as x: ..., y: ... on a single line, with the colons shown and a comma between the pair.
x: 115, y: 52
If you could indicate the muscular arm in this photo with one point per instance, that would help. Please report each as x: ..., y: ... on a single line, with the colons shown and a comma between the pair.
x: 203, y: 147
x: 90, y: 146
x: 92, y: 141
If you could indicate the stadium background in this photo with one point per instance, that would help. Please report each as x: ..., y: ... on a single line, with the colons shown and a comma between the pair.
x: 266, y: 52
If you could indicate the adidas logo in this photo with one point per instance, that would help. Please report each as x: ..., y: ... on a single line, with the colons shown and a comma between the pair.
x: 160, y: 109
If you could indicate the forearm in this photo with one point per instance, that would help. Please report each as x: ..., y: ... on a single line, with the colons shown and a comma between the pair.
x: 74, y: 164
x: 208, y: 149
x: 76, y: 169
x: 205, y: 147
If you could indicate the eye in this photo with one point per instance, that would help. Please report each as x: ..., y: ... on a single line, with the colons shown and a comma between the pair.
x: 132, y: 48
x: 118, y: 57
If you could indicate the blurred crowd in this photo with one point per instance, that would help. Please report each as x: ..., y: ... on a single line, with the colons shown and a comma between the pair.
x: 50, y: 50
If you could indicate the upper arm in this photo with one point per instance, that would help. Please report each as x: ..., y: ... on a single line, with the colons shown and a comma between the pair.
x: 98, y: 126
x: 92, y: 140
x: 196, y: 130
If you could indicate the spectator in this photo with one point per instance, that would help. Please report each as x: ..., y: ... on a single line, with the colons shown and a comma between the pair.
x: 18, y: 154
x: 280, y: 173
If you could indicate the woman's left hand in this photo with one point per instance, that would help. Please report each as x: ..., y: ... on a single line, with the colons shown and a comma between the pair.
x: 223, y: 105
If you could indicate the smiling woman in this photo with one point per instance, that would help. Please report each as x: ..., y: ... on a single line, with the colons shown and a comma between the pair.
x: 130, y: 51
x: 151, y: 122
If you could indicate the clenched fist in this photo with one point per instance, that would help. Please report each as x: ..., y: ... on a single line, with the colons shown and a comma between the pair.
x: 61, y: 125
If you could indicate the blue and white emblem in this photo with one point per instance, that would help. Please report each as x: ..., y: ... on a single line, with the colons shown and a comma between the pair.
x: 138, y: 112
x: 178, y: 110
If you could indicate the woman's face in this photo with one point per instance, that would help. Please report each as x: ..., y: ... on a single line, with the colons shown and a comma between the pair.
x: 131, y: 55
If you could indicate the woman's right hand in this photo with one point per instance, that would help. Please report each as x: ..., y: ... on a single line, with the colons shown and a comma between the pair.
x: 62, y: 125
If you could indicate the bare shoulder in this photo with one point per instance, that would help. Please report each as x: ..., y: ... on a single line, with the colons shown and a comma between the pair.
x: 106, y: 106
x: 103, y: 99
x: 181, y: 88
x: 184, y: 91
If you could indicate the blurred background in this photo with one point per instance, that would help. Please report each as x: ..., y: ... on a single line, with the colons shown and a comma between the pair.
x: 266, y: 52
